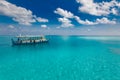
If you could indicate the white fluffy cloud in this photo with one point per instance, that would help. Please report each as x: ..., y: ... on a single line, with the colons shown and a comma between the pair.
x: 11, y: 26
x: 18, y: 14
x: 66, y: 22
x: 99, y: 9
x: 64, y: 13
x: 43, y: 26
x: 86, y: 22
x: 41, y: 19
x: 103, y: 20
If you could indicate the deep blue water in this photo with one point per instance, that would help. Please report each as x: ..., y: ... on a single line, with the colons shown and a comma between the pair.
x: 63, y: 58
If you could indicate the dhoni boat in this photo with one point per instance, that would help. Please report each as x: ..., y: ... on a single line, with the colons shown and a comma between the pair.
x: 21, y: 40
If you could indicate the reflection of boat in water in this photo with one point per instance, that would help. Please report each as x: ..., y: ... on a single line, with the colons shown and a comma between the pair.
x: 21, y: 40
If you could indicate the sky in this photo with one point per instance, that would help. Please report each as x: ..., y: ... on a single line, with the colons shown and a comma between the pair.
x: 60, y: 17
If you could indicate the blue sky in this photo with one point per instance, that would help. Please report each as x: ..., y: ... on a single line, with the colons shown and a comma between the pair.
x: 57, y: 16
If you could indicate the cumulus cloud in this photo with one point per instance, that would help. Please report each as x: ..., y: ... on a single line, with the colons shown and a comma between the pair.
x: 18, y: 14
x: 114, y: 11
x: 67, y: 15
x: 43, y: 26
x: 11, y: 26
x: 64, y: 13
x: 65, y: 22
x: 99, y: 9
x: 58, y: 27
x: 103, y: 20
x: 86, y: 22
x: 41, y: 19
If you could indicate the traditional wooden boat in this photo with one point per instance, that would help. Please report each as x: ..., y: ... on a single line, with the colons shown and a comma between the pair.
x: 21, y: 40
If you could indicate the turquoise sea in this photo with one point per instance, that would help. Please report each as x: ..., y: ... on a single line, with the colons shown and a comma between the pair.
x: 63, y: 58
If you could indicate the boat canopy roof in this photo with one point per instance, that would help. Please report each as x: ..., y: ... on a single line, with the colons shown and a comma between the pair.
x: 30, y: 36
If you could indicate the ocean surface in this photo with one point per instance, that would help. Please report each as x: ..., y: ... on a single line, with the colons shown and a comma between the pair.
x: 63, y: 58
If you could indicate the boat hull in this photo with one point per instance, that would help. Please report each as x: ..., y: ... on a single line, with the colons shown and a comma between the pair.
x: 30, y: 43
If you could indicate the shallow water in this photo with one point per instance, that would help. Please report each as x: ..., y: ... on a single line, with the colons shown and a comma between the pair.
x: 63, y: 58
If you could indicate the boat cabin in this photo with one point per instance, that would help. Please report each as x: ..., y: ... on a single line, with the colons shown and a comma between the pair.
x: 19, y: 40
